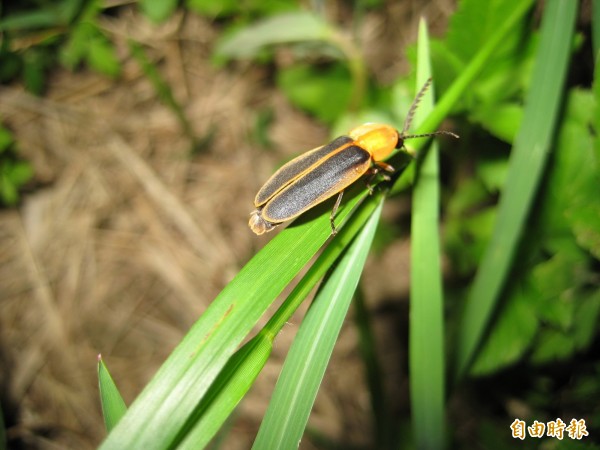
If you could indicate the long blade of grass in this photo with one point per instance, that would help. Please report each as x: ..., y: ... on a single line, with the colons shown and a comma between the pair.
x: 229, y: 388
x: 426, y: 304
x: 303, y: 370
x: 155, y: 418
x: 527, y: 161
x: 245, y: 365
x: 113, y: 405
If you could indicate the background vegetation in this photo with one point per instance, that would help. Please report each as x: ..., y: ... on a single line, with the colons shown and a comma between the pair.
x: 133, y: 138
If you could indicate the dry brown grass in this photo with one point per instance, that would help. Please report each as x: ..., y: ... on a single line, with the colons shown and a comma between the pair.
x: 126, y: 238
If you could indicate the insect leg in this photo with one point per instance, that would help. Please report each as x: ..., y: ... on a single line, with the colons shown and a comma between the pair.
x: 333, y: 211
x: 379, y: 166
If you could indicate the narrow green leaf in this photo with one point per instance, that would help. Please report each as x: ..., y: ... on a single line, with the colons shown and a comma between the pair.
x: 526, y: 167
x: 113, y: 406
x: 156, y: 417
x: 240, y: 372
x: 303, y: 370
x: 426, y: 304
x: 233, y: 383
x: 284, y: 28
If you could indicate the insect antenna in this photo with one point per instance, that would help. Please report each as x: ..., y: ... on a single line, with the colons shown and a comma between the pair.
x: 411, y: 114
x: 413, y: 107
x: 435, y: 133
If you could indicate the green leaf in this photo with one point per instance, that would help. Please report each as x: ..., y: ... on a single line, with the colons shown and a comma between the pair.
x: 113, y: 406
x: 585, y: 223
x: 596, y: 93
x: 303, y: 370
x: 473, y: 24
x: 322, y: 92
x: 511, y: 336
x: 212, y: 8
x: 280, y: 29
x: 501, y: 120
x: 469, y: 73
x: 158, y: 10
x: 466, y: 237
x: 470, y: 196
x: 232, y: 384
x: 575, y: 177
x: 527, y: 162
x: 158, y: 414
x: 49, y: 15
x: 6, y: 139
x: 587, y: 313
x: 572, y: 185
x: 34, y: 70
x: 101, y: 56
x: 551, y: 279
x: 426, y: 338
x: 555, y: 344
x: 492, y: 172
x: 8, y: 191
x: 84, y: 32
x: 11, y: 61
x: 236, y: 377
x: 20, y: 173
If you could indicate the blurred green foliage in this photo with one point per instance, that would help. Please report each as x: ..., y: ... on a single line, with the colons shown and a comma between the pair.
x: 38, y: 35
x: 14, y: 172
x: 551, y: 307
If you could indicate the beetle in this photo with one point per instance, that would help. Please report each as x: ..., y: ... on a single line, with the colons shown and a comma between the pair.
x: 319, y: 174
